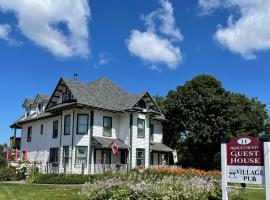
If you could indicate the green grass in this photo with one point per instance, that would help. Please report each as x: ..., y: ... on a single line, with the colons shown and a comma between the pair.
x: 60, y: 192
x: 252, y: 194
x: 38, y: 192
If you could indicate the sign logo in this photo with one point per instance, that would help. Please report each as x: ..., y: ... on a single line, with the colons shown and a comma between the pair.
x: 245, y: 160
x: 244, y: 141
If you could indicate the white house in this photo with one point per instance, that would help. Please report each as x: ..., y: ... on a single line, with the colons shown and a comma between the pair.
x: 71, y: 130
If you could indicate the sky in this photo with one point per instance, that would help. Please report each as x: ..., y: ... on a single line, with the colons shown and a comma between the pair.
x: 152, y: 45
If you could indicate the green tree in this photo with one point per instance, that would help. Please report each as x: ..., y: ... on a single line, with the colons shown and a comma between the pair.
x: 160, y: 102
x: 201, y: 114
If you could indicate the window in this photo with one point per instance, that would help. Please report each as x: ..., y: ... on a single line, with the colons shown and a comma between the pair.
x: 67, y: 122
x: 54, y: 155
x: 107, y: 126
x: 55, y: 129
x: 151, y: 132
x: 82, y: 124
x: 41, y: 129
x: 81, y: 155
x: 40, y: 107
x: 140, y: 157
x: 141, y: 128
x: 65, y: 155
x: 29, y: 134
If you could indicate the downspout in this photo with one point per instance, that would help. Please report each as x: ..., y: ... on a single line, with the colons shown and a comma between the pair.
x: 90, y: 141
x: 130, y: 140
x: 72, y: 138
x: 60, y: 143
x: 149, y: 152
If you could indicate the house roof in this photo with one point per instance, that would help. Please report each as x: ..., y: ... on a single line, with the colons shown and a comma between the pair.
x: 42, y: 97
x: 30, y: 118
x: 154, y: 146
x: 105, y: 142
x: 102, y: 93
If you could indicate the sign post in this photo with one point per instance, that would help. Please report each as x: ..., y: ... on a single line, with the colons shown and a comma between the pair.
x: 267, y: 168
x: 245, y: 160
x: 223, y: 170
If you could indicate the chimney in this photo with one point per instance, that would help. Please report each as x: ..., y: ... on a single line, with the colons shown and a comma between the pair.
x: 75, y: 77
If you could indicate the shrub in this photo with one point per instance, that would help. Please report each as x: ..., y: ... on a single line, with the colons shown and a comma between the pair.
x: 3, y: 162
x: 8, y: 174
x: 25, y: 169
x: 148, y: 185
x: 64, y: 178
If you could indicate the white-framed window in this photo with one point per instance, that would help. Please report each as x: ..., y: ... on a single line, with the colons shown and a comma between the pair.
x: 40, y: 106
x: 55, y: 129
x: 29, y: 134
x: 141, y: 128
x: 41, y: 129
x: 67, y: 124
x: 81, y: 155
x: 54, y: 155
x: 65, y: 155
x: 107, y: 126
x: 140, y: 157
x: 82, y: 124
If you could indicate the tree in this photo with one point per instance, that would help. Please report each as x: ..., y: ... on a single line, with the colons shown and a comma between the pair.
x: 206, y: 114
x: 160, y: 102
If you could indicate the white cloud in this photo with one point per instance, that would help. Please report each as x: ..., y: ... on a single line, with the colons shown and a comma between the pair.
x: 249, y: 33
x: 151, y: 48
x: 208, y: 6
x: 104, y: 59
x: 4, y: 31
x: 38, y: 21
x: 157, y: 45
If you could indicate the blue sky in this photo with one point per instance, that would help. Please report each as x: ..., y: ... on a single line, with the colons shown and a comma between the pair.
x: 196, y: 36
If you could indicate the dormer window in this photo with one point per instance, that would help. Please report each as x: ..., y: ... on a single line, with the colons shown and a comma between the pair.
x: 40, y: 107
x: 66, y: 96
x: 28, y: 110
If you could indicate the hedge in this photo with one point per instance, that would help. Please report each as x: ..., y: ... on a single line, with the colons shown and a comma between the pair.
x: 64, y: 178
x: 8, y: 174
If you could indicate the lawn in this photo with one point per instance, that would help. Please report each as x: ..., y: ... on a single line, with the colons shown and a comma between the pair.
x: 252, y: 194
x: 40, y: 192
x: 59, y: 192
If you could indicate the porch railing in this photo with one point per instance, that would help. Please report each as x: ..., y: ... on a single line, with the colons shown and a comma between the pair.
x: 112, y: 168
x: 163, y: 166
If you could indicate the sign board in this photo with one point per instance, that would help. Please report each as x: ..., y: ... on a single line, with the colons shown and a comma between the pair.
x: 245, y: 160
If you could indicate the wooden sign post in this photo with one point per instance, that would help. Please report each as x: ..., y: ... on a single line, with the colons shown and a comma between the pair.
x: 245, y: 160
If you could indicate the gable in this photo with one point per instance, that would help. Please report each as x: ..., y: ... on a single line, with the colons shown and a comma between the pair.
x: 62, y: 94
x: 147, y: 102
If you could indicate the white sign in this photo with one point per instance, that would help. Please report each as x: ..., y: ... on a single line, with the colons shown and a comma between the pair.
x: 245, y: 174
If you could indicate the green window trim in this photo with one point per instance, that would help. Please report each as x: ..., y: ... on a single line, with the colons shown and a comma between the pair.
x: 86, y: 126
x: 107, y: 126
x: 140, y: 128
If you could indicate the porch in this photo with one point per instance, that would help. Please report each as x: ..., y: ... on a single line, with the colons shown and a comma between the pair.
x: 160, y: 155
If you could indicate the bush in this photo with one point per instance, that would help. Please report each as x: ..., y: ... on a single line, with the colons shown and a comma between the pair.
x: 136, y: 185
x: 64, y: 178
x: 8, y: 174
x: 25, y: 169
x: 3, y: 162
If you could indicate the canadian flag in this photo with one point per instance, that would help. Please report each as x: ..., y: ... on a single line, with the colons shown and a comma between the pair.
x: 114, y: 148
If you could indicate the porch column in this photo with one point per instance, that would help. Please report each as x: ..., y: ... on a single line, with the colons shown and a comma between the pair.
x: 15, y: 132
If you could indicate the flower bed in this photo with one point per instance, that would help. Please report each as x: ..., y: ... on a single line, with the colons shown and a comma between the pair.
x: 152, y: 184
